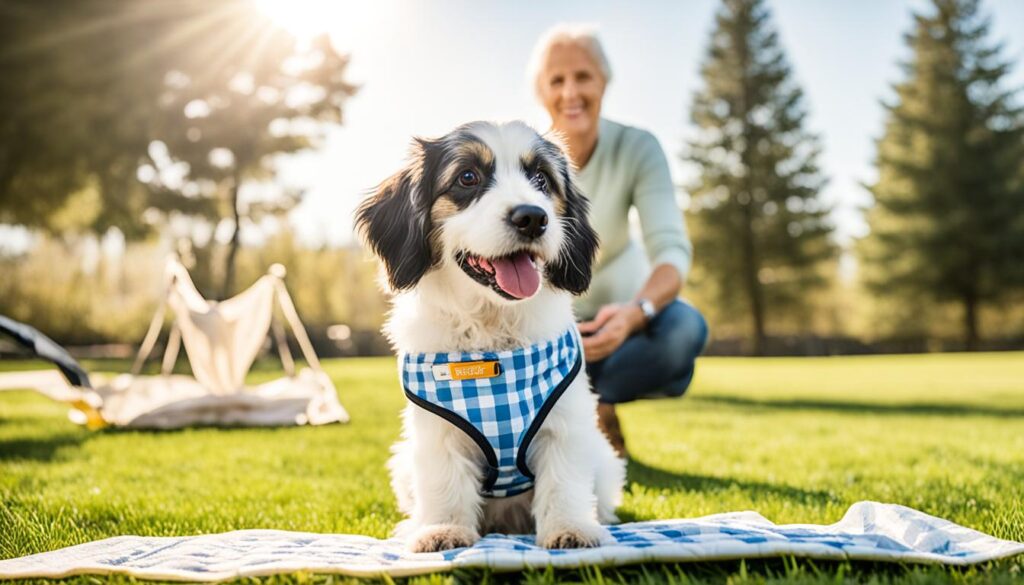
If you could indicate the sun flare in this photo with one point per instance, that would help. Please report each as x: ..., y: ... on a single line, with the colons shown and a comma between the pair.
x: 304, y: 19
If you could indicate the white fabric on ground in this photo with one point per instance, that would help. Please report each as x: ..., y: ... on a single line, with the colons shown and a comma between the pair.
x: 170, y: 402
x: 869, y: 531
x: 49, y: 382
x: 222, y: 339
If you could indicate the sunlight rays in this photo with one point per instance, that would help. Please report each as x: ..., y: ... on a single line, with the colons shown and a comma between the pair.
x: 306, y: 19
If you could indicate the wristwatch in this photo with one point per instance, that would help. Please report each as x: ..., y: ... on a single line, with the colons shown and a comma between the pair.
x: 647, y: 308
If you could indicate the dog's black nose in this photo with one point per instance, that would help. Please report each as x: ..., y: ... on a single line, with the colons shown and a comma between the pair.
x: 529, y: 220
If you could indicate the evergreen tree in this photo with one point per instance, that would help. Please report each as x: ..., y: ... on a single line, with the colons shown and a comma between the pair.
x: 760, y: 230
x: 948, y: 220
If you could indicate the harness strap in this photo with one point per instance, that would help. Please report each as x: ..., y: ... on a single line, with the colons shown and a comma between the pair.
x: 543, y: 414
x: 491, y: 472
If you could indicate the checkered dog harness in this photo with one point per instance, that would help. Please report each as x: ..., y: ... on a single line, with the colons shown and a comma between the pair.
x: 500, y: 399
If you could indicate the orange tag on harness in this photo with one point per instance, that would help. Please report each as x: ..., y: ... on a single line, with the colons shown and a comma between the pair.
x: 467, y: 370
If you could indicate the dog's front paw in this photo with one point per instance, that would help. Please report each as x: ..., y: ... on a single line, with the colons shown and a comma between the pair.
x: 574, y: 537
x: 439, y: 537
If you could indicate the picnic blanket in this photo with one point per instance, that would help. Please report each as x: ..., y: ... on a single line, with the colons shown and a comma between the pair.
x: 869, y: 531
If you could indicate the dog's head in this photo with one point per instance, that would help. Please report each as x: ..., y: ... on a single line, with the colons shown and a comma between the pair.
x: 496, y: 201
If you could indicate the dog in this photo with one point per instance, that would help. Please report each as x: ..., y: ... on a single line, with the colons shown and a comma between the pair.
x: 484, y: 239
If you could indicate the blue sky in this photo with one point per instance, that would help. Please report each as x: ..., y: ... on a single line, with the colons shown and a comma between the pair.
x: 425, y: 67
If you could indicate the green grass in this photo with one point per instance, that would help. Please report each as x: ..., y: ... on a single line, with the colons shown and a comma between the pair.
x: 798, y: 440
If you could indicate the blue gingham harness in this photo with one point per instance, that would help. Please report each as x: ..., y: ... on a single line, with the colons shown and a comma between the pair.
x: 501, y: 413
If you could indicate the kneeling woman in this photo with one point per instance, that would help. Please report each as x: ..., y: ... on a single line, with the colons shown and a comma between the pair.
x: 640, y: 340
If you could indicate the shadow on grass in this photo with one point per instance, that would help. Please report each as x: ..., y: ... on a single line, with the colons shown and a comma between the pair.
x: 772, y: 570
x: 652, y: 477
x: 906, y: 409
x: 42, y: 449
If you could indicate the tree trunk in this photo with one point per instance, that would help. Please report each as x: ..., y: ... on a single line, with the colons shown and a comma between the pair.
x: 753, y: 283
x: 971, y: 322
x: 751, y: 265
x: 229, y: 264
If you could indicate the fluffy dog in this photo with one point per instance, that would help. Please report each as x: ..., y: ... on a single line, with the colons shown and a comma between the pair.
x: 484, y: 239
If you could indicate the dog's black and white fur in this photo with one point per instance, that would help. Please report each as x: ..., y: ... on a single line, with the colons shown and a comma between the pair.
x: 439, y: 225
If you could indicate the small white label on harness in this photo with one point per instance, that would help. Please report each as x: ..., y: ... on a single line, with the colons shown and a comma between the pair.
x: 466, y: 370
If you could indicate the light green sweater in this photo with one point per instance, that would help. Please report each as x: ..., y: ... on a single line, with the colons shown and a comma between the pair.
x: 628, y: 169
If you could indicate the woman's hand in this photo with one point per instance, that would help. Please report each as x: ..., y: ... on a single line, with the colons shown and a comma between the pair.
x: 614, y: 323
x: 609, y: 329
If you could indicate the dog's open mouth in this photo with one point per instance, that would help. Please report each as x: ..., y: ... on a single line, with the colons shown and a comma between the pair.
x: 515, y: 276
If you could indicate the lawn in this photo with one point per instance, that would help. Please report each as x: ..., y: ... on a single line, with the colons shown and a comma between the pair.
x: 798, y: 440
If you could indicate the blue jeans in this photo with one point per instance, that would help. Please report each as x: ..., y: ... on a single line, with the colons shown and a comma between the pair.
x: 659, y: 361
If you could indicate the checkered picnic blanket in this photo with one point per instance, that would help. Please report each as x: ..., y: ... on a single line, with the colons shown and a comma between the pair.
x: 501, y: 413
x: 869, y: 531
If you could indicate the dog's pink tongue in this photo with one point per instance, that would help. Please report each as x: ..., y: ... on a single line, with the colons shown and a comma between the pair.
x: 517, y: 275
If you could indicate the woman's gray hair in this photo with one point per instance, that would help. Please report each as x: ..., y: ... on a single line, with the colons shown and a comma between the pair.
x: 582, y: 35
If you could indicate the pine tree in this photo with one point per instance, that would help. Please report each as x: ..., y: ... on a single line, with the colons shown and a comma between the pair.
x: 760, y: 230
x: 948, y: 220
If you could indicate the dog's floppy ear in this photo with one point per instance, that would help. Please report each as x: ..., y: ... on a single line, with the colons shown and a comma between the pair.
x: 571, y: 271
x: 395, y: 221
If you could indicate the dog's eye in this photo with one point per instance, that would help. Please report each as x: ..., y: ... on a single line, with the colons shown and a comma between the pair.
x: 540, y: 181
x: 469, y: 178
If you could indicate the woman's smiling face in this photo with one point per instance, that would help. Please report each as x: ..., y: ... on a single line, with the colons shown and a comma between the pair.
x: 571, y: 87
